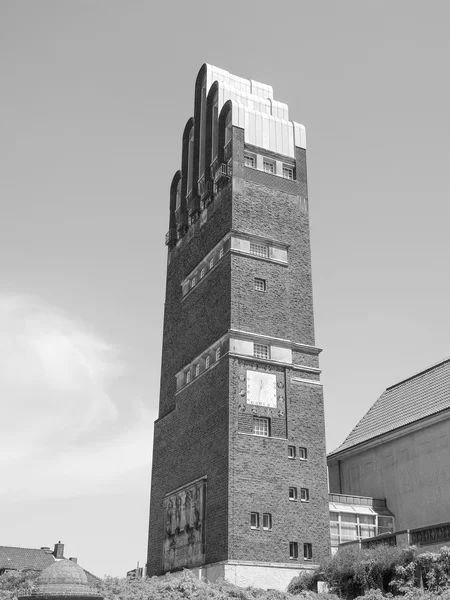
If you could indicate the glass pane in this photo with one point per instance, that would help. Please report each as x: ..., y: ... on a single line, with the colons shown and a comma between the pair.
x: 367, y: 519
x: 348, y: 518
x: 334, y: 516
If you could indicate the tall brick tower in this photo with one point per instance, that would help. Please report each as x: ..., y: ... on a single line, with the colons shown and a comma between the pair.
x: 239, y: 485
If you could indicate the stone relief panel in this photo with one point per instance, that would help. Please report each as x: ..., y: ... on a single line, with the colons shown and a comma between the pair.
x: 184, y: 539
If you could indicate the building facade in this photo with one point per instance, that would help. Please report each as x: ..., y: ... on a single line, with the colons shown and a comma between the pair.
x: 239, y: 485
x: 400, y: 451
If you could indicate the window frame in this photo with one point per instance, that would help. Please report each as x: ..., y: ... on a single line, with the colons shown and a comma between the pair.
x: 259, y: 353
x: 268, y: 517
x: 202, y: 273
x: 288, y: 169
x: 218, y: 353
x: 207, y: 361
x: 272, y: 163
x: 294, y: 496
x: 304, y: 494
x: 197, y: 369
x: 188, y: 376
x: 293, y: 454
x: 307, y: 551
x: 293, y: 550
x: 303, y: 453
x: 252, y: 157
x: 221, y: 253
x: 193, y: 282
x: 259, y: 280
x: 260, y: 420
x: 254, y: 515
x: 256, y: 250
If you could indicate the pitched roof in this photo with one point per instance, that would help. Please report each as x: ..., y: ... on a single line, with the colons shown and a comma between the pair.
x: 25, y: 558
x: 415, y: 398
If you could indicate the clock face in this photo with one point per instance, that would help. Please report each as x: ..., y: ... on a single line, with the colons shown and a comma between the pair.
x: 262, y: 389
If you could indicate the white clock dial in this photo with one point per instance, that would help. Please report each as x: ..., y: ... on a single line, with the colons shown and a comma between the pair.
x: 262, y: 389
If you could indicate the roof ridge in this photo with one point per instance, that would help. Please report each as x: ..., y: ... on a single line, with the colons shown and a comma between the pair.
x: 434, y: 366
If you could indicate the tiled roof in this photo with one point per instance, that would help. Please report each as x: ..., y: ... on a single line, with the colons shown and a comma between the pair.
x: 415, y: 398
x: 25, y: 558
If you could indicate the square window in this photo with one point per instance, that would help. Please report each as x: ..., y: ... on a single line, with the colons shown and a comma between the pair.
x: 293, y: 550
x: 188, y: 377
x: 193, y: 282
x: 254, y: 520
x: 260, y: 351
x: 217, y: 353
x: 302, y: 453
x: 293, y: 493
x: 269, y: 166
x: 291, y: 451
x: 307, y: 551
x: 261, y: 426
x: 211, y: 263
x: 197, y: 370
x: 260, y: 285
x: 202, y: 273
x: 304, y: 494
x: 258, y: 249
x: 249, y: 160
x: 288, y: 172
x: 207, y: 362
x: 221, y: 253
x: 267, y: 521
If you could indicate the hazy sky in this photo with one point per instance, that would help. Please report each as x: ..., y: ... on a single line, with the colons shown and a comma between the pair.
x: 94, y: 98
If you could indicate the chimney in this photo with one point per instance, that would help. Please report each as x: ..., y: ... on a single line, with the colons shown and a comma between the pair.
x: 58, y: 552
x: 74, y: 559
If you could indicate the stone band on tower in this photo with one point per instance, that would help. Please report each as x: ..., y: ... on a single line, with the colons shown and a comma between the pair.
x: 239, y: 485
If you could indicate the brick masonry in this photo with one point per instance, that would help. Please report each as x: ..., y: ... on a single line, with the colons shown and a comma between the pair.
x: 205, y: 430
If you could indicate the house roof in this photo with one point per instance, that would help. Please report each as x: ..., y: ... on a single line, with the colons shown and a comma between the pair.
x: 410, y: 400
x: 20, y: 559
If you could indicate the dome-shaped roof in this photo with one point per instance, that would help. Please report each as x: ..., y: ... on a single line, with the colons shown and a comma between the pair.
x: 64, y: 578
x: 62, y: 572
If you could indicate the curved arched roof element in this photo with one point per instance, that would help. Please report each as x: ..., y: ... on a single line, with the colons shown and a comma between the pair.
x: 265, y: 120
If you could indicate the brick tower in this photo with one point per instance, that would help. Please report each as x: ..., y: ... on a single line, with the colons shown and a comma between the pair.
x: 239, y: 485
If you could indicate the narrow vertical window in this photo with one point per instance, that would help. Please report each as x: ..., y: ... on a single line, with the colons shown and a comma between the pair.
x: 197, y: 370
x: 304, y: 494
x: 217, y: 353
x: 207, y: 359
x: 178, y: 202
x: 267, y: 521
x: 292, y: 493
x: 293, y: 550
x: 201, y: 163
x: 302, y: 453
x: 307, y: 551
x: 211, y: 263
x: 291, y: 451
x: 254, y: 520
x: 215, y: 128
x: 190, y: 160
x: 193, y: 282
x: 188, y: 377
x: 202, y: 273
x: 288, y: 172
x: 228, y: 128
x: 221, y: 253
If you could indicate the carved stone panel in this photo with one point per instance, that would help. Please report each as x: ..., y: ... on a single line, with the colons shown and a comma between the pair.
x: 184, y: 514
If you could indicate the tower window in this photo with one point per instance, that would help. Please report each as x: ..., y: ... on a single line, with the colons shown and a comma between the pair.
x: 221, y: 253
x: 207, y: 362
x: 258, y: 250
x: 304, y: 494
x: 197, y: 370
x: 249, y: 160
x: 291, y: 451
x: 188, y: 377
x: 293, y: 493
x: 267, y: 521
x: 260, y: 285
x: 268, y: 166
x: 307, y: 551
x: 217, y: 353
x: 260, y: 351
x: 288, y: 172
x: 193, y: 282
x: 261, y: 426
x: 202, y: 273
x: 211, y: 263
x: 254, y: 520
x: 302, y: 453
x: 293, y: 550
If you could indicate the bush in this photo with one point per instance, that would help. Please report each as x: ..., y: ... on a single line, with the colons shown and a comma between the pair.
x: 303, y: 583
x: 16, y: 583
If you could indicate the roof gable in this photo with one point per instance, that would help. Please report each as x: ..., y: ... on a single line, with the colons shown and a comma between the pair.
x: 410, y: 400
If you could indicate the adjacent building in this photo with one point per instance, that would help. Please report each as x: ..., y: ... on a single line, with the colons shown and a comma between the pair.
x: 400, y: 451
x: 239, y: 485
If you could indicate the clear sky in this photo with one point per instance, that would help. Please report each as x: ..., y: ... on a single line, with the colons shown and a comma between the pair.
x: 94, y: 99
